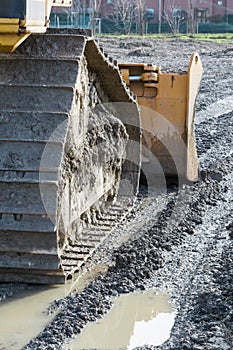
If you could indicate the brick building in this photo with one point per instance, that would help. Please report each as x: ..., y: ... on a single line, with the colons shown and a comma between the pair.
x: 154, y: 11
x: 213, y: 7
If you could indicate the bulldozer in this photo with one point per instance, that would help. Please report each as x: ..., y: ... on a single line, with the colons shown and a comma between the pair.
x: 76, y: 131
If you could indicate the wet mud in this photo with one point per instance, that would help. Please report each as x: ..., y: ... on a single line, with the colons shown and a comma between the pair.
x: 179, y: 242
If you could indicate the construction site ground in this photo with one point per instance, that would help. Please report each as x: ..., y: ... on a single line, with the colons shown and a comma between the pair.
x: 179, y: 242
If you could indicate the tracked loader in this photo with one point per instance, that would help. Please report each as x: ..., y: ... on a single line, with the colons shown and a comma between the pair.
x: 75, y: 131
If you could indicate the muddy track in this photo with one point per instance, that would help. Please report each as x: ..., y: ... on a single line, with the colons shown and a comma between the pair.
x: 184, y: 251
x: 203, y: 288
x: 191, y: 256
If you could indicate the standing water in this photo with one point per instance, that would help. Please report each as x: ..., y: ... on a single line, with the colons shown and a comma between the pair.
x: 23, y: 318
x: 136, y: 319
x: 25, y: 315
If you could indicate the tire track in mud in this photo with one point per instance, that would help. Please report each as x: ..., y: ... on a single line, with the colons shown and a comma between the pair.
x: 205, y: 304
x: 189, y: 274
x: 136, y: 261
x: 222, y: 128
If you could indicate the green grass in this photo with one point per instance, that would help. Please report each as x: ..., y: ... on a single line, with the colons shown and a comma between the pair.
x: 218, y: 37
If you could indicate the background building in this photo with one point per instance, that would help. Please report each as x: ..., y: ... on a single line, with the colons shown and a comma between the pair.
x: 147, y: 15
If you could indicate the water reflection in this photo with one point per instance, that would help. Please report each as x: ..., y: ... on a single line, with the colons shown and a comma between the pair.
x: 25, y: 315
x: 136, y: 319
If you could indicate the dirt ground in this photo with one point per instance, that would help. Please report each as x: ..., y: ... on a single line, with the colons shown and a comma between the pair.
x: 191, y: 257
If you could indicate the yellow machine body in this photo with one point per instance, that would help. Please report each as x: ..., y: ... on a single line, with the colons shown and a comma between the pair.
x: 10, y: 36
x: 27, y: 16
x: 167, y: 106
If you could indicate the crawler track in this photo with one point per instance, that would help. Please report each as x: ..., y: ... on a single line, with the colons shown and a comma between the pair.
x: 62, y: 155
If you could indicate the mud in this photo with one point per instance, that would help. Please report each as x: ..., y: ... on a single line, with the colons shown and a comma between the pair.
x: 181, y: 241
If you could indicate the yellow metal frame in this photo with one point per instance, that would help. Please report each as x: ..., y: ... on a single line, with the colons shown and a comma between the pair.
x: 9, y: 42
x: 9, y: 25
x: 167, y: 103
x: 11, y: 34
x: 13, y: 31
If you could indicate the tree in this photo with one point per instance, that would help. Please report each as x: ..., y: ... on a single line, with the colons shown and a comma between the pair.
x: 123, y: 14
x: 95, y: 6
x: 140, y: 10
x: 174, y: 17
x: 191, y: 17
x: 79, y: 13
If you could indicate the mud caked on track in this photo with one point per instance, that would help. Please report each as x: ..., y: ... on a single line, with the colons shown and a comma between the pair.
x: 180, y: 241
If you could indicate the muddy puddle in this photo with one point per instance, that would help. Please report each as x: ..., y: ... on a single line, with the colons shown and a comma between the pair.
x: 25, y: 315
x: 135, y: 319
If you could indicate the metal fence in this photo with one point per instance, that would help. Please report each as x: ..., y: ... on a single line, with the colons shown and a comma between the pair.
x: 98, y: 25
